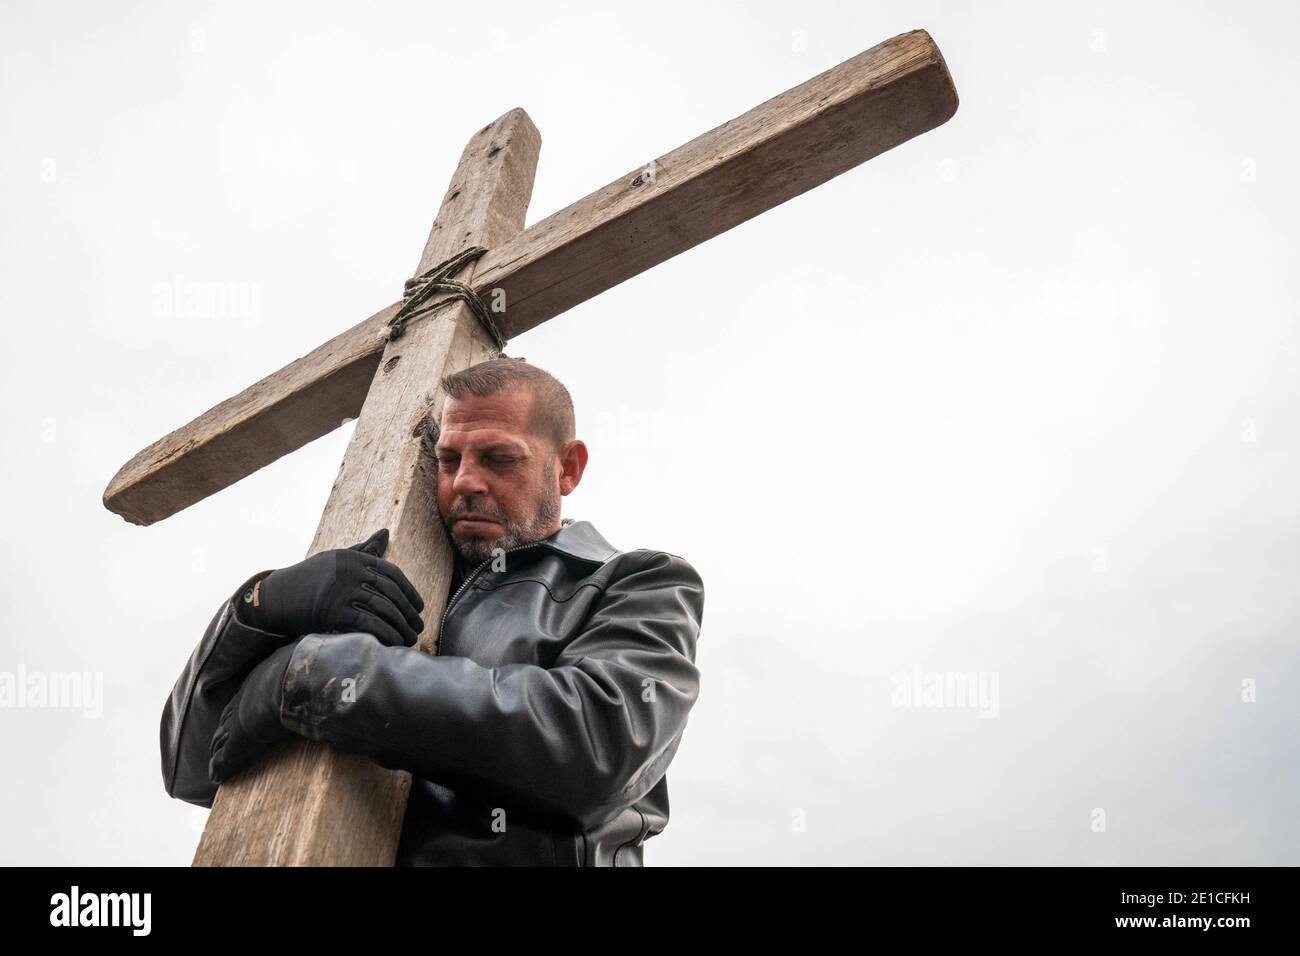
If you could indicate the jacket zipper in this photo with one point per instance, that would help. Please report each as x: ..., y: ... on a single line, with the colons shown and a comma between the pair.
x: 636, y: 840
x: 469, y: 578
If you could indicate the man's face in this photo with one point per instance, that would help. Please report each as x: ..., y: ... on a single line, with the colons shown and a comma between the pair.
x: 499, y: 485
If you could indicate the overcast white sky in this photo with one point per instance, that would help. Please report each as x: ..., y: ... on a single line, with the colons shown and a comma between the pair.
x: 1014, y: 399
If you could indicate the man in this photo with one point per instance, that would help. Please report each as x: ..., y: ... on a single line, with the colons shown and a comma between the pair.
x: 541, y: 731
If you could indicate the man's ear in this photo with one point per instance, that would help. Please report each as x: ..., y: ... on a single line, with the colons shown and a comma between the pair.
x: 573, y: 461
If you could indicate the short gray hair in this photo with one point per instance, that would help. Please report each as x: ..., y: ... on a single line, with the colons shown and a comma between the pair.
x: 551, y: 416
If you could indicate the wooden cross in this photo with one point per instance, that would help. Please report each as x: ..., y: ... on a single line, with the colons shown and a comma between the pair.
x: 309, y: 804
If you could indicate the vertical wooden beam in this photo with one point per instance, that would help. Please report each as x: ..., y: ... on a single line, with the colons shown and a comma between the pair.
x: 308, y: 804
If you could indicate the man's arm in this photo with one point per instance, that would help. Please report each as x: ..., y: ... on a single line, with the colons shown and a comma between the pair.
x: 343, y: 589
x: 580, y: 739
x: 229, y: 649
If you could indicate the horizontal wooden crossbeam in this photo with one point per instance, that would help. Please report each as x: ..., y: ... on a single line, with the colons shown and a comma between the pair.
x: 781, y: 148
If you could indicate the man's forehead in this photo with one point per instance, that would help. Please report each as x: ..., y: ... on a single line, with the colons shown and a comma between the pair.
x: 485, y: 420
x: 454, y: 436
x: 501, y: 410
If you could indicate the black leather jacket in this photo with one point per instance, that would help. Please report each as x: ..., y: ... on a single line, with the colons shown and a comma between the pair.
x: 539, y: 734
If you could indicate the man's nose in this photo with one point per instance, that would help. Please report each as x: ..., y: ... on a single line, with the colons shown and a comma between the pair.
x: 469, y: 480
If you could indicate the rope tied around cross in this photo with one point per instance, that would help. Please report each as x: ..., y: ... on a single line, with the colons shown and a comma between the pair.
x: 419, y: 289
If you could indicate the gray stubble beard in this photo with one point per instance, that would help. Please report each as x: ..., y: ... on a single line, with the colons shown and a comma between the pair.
x: 476, y: 550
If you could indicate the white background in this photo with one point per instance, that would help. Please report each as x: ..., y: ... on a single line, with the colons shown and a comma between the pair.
x: 1016, y: 397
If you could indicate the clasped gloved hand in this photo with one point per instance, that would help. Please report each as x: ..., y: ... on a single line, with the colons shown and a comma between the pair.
x: 341, y: 590
x: 250, y: 725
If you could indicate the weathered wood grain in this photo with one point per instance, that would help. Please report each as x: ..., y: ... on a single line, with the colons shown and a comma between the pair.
x: 781, y: 148
x: 311, y: 805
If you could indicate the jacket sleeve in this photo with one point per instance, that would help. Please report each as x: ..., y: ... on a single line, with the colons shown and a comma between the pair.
x: 228, y: 650
x: 580, y: 739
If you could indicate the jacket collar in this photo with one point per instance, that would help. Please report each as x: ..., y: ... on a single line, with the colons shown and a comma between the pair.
x: 577, y: 539
x: 580, y: 539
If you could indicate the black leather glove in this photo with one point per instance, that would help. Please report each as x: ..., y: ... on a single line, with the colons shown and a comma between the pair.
x: 250, y: 725
x: 341, y: 590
